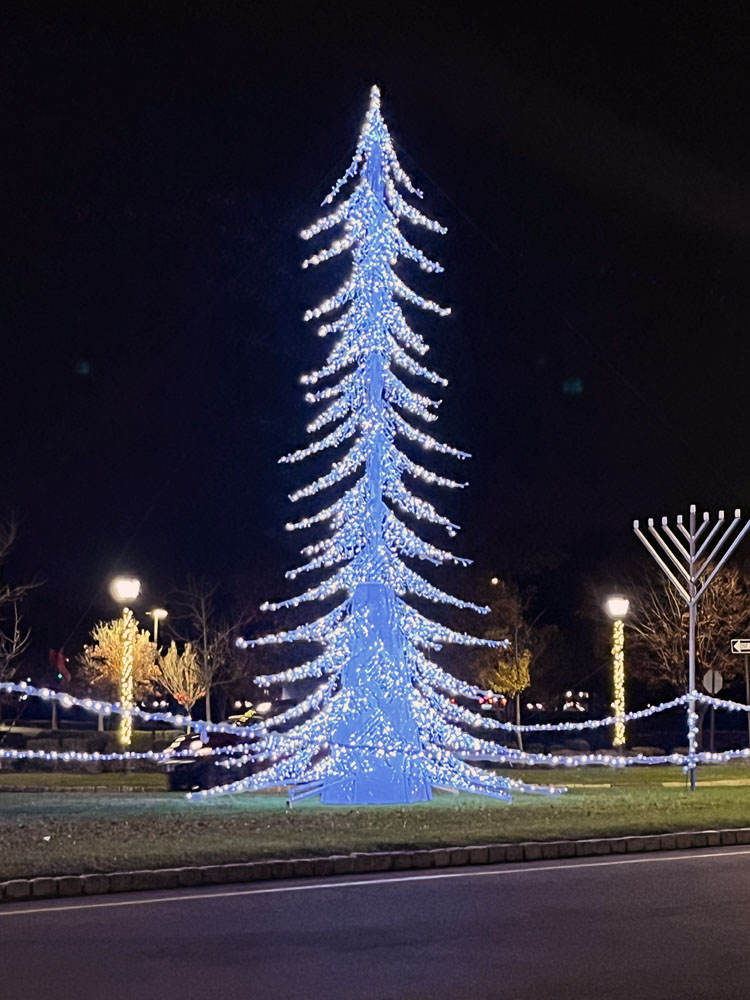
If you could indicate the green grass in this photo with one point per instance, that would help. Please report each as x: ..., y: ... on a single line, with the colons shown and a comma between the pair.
x: 108, y: 832
x: 62, y: 779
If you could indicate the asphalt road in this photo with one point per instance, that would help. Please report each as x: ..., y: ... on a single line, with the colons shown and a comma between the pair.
x: 663, y: 926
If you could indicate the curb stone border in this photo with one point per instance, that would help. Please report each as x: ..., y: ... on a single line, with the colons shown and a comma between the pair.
x: 65, y: 886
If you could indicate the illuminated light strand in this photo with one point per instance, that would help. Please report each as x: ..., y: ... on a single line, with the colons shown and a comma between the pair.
x: 339, y: 408
x: 157, y: 756
x: 618, y: 659
x: 504, y: 755
x: 409, y: 543
x: 426, y: 440
x: 469, y: 746
x: 127, y: 687
x: 413, y: 402
x: 731, y: 706
x: 435, y: 676
x: 336, y: 437
x: 115, y: 708
x: 610, y: 720
x: 419, y: 472
x: 511, y: 756
x: 405, y: 361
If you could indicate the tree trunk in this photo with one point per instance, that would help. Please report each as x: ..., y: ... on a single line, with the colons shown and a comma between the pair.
x: 100, y: 722
x: 208, y: 703
x: 53, y: 724
x: 519, y: 734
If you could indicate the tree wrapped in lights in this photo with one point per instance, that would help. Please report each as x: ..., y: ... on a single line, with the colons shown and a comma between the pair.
x: 181, y: 674
x: 383, y: 725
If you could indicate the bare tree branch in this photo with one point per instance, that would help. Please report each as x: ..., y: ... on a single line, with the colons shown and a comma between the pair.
x: 14, y: 636
x: 212, y: 626
x: 659, y: 625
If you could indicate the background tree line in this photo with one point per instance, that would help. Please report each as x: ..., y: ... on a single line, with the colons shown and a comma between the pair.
x: 199, y: 662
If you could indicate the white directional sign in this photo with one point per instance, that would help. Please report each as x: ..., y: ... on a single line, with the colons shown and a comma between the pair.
x: 740, y: 645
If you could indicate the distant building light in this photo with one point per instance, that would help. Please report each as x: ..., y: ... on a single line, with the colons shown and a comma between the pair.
x: 572, y: 387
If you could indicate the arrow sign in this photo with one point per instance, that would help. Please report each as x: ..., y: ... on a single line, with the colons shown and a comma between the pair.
x: 740, y: 645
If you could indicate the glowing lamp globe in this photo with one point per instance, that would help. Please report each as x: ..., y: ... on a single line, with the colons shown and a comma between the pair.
x: 617, y: 607
x: 125, y: 589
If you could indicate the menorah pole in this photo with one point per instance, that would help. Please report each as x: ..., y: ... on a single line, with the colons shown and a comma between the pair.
x: 695, y: 566
x: 692, y: 616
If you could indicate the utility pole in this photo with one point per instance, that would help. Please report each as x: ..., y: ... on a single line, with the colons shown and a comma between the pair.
x: 691, y: 565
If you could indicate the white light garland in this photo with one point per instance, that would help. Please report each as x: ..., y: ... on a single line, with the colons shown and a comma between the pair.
x: 309, y: 740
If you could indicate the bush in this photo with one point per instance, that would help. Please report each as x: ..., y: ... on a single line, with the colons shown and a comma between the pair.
x: 578, y: 745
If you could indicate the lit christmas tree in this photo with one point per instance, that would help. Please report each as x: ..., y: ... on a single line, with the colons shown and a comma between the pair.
x: 383, y: 724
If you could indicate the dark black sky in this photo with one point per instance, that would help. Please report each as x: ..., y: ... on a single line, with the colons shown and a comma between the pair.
x: 590, y: 161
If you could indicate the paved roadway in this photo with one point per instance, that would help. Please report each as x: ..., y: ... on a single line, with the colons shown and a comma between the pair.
x: 672, y: 926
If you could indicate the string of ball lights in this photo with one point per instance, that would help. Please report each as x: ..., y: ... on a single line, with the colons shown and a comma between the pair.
x: 81, y: 756
x: 266, y: 745
x: 26, y: 689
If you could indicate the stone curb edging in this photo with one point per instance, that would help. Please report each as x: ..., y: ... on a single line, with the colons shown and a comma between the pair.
x: 65, y: 886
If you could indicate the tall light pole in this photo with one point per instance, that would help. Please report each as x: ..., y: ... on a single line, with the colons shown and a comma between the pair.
x: 617, y: 608
x: 125, y: 590
x: 158, y: 614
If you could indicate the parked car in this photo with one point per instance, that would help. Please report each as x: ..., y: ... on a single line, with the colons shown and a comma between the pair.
x: 191, y: 763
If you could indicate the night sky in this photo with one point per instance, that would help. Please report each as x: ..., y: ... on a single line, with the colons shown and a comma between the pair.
x: 590, y: 161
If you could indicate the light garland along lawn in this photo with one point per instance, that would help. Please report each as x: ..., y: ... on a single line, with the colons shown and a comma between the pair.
x: 51, y: 834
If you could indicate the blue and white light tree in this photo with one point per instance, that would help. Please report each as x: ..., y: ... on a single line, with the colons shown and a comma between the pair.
x: 384, y: 724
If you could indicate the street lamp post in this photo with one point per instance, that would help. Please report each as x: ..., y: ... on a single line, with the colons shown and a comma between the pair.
x: 617, y: 608
x: 158, y: 614
x: 125, y: 590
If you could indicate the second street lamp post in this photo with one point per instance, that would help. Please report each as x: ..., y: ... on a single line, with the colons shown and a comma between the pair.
x: 158, y: 614
x: 617, y: 609
x: 125, y: 590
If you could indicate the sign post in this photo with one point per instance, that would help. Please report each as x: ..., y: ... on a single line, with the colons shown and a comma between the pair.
x: 713, y: 683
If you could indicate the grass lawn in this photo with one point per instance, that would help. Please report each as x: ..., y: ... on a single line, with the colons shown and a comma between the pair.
x: 49, y: 834
x: 72, y: 779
